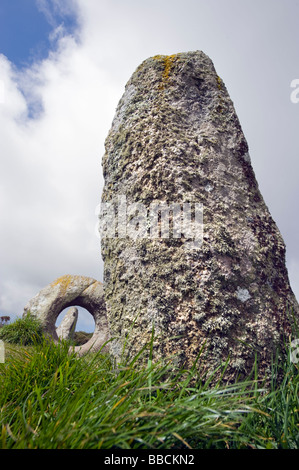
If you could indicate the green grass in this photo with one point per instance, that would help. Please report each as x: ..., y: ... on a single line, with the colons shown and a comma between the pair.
x: 80, y: 337
x: 279, y: 423
x: 51, y: 399
x: 24, y: 331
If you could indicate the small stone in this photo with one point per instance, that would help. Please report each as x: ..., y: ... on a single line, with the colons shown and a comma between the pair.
x: 67, y: 327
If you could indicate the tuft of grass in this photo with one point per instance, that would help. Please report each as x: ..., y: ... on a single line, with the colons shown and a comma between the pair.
x: 24, y: 331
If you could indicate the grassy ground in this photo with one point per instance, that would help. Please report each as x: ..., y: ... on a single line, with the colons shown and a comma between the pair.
x: 51, y: 399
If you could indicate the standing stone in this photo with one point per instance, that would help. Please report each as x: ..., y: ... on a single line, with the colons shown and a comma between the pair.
x: 67, y: 327
x: 176, y: 138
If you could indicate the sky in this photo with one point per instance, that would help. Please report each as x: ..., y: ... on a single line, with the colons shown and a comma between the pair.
x: 63, y: 68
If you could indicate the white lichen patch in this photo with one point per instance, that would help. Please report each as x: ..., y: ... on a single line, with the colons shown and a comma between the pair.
x: 209, y: 188
x: 242, y: 294
x: 126, y: 100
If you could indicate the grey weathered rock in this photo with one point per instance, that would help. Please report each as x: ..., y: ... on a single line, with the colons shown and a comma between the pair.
x: 176, y: 138
x: 68, y: 291
x: 67, y: 327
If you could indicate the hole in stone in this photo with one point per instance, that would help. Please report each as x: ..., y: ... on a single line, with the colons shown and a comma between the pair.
x: 85, y: 325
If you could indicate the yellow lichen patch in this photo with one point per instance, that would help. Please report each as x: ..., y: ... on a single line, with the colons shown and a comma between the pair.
x: 63, y: 282
x: 219, y: 82
x: 168, y: 61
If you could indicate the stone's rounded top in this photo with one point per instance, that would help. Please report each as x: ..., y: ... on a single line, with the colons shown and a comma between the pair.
x: 64, y: 290
x: 184, y: 85
x: 194, y: 56
x: 68, y: 281
x: 167, y: 67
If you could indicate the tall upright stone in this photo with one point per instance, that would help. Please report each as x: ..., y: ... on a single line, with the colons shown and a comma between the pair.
x: 176, y: 139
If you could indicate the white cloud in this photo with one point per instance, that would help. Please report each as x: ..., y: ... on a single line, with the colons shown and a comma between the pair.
x: 44, y: 7
x: 2, y: 92
x: 51, y: 175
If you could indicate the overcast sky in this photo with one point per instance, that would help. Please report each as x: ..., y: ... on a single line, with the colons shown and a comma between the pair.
x: 63, y: 68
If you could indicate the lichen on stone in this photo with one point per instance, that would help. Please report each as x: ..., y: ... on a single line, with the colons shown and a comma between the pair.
x: 176, y: 138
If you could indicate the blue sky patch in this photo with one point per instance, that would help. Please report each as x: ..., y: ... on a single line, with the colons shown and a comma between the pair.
x: 25, y: 30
